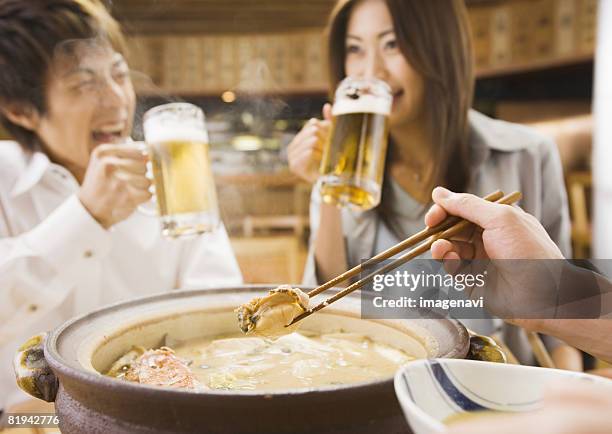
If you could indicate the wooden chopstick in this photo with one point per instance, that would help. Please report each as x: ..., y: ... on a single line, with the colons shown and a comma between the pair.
x: 400, y: 247
x: 436, y: 233
x: 539, y: 350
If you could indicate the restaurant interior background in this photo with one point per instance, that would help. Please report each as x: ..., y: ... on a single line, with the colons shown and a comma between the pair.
x: 257, y: 68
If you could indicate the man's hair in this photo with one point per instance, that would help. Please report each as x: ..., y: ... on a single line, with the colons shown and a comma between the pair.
x: 30, y: 32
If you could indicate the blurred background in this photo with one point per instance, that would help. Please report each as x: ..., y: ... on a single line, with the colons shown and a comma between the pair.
x: 257, y: 68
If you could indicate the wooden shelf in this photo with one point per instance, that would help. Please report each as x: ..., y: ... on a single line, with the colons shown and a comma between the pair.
x: 308, y: 91
x: 510, y: 37
x: 482, y: 73
x: 535, y: 65
x: 189, y: 17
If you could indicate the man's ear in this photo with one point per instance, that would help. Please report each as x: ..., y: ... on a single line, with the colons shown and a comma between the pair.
x: 25, y: 117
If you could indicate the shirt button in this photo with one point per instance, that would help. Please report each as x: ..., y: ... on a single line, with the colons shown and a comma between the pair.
x: 60, y: 173
x: 32, y: 308
x: 88, y: 254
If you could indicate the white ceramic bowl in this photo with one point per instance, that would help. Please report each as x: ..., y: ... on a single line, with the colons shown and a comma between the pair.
x: 430, y: 391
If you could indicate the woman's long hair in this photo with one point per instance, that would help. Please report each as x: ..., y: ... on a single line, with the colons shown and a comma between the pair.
x: 434, y: 37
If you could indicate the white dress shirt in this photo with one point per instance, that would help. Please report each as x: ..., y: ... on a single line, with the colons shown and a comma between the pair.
x: 57, y: 262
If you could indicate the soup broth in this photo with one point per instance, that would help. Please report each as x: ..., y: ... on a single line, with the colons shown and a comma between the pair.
x: 467, y: 416
x: 297, y: 360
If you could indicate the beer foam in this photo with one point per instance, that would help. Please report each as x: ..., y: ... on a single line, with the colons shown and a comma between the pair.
x: 156, y: 132
x: 364, y: 104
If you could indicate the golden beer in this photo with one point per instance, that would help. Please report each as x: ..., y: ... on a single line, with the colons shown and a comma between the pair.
x: 352, y: 167
x: 179, y: 154
x: 351, y: 162
x: 182, y: 177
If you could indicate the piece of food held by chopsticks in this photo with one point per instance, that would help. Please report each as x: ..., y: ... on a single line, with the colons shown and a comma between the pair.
x: 269, y: 316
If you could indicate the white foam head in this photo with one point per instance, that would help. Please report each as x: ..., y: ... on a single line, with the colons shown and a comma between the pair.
x: 159, y: 132
x: 363, y: 104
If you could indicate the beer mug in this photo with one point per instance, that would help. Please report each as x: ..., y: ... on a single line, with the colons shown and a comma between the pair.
x: 177, y: 144
x: 353, y: 163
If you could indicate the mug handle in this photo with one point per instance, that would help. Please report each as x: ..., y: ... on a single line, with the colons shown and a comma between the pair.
x: 148, y: 208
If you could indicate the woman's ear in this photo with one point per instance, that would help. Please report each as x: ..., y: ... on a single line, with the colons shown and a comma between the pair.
x: 25, y: 117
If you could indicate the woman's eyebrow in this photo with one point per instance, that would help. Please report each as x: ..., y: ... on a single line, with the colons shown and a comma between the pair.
x: 379, y: 36
x: 385, y: 33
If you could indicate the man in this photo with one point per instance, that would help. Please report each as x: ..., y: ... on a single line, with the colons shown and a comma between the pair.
x: 70, y: 239
x: 505, y: 232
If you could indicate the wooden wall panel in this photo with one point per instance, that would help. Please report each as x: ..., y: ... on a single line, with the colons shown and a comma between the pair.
x: 509, y: 36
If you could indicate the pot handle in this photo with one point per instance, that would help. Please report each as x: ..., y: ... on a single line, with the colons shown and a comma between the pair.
x: 486, y: 349
x: 33, y: 373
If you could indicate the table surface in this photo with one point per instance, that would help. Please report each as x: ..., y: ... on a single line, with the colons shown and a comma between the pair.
x: 31, y: 406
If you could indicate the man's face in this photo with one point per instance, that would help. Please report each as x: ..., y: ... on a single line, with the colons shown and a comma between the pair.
x: 90, y: 101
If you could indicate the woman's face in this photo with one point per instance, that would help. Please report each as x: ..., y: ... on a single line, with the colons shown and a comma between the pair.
x: 90, y: 101
x: 372, y: 51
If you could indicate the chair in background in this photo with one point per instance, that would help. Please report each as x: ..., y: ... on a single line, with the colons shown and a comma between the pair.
x: 579, y: 187
x: 574, y: 138
x: 270, y: 259
x: 267, y: 217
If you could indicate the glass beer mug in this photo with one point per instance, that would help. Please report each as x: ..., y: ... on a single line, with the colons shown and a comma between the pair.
x: 353, y: 162
x: 177, y: 144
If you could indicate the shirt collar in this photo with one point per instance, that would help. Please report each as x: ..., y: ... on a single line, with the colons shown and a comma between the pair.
x: 489, y: 135
x: 36, y: 168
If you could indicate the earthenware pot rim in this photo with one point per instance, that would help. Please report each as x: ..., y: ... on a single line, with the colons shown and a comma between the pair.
x: 59, y: 364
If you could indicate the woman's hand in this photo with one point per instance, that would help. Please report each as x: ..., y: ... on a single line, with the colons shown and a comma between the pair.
x: 115, y: 183
x: 306, y: 149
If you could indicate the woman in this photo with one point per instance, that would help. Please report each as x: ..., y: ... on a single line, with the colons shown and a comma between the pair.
x: 422, y: 49
x: 70, y: 239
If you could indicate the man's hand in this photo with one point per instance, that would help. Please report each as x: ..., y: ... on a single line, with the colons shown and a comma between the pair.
x: 115, y: 183
x: 501, y: 231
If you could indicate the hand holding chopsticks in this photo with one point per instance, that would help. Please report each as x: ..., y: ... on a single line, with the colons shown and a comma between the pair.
x: 449, y: 228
